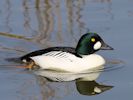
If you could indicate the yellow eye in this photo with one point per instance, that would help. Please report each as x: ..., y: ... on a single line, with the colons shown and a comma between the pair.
x: 93, y: 39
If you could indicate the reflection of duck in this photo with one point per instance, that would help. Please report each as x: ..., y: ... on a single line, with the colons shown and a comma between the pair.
x: 91, y: 87
x: 68, y: 59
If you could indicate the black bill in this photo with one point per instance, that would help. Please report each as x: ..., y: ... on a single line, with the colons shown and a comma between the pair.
x: 106, y: 47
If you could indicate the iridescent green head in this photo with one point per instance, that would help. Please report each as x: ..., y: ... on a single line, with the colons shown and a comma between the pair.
x: 90, y: 43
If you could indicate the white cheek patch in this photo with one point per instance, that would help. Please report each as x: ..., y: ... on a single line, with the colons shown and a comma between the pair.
x: 97, y: 45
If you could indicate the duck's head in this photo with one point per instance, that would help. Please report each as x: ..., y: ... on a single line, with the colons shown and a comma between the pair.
x: 90, y: 43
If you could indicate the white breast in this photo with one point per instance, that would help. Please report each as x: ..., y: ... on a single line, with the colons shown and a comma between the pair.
x: 58, y: 60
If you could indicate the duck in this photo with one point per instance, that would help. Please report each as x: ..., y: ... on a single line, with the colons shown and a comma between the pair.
x: 69, y: 59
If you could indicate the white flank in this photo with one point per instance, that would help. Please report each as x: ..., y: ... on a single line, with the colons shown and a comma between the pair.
x: 58, y: 60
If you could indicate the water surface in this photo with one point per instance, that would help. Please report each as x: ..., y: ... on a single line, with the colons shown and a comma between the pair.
x: 28, y: 25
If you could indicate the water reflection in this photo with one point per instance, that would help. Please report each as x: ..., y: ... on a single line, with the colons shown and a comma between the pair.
x: 8, y: 16
x: 63, y: 76
x: 46, y: 21
x: 26, y: 13
x: 75, y: 23
x: 91, y: 87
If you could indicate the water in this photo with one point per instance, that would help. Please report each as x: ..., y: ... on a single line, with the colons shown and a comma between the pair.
x: 28, y: 25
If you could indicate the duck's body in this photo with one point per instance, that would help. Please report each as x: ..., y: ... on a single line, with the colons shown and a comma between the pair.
x: 65, y: 59
x: 74, y: 61
x: 69, y: 63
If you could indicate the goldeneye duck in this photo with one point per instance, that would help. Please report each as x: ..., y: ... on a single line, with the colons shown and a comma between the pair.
x: 69, y: 59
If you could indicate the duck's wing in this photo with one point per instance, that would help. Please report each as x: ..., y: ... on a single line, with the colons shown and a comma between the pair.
x: 48, y: 52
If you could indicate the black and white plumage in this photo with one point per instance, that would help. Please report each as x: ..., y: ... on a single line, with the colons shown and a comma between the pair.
x: 53, y: 51
x: 63, y: 59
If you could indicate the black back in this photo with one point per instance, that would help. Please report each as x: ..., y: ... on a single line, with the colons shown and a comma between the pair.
x: 43, y: 51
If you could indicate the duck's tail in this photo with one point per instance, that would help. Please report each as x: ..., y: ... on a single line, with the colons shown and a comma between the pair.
x: 14, y: 59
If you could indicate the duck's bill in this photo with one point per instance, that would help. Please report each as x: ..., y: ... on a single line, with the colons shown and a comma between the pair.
x: 106, y: 47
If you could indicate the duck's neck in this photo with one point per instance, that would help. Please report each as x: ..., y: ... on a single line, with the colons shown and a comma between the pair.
x: 83, y: 56
x: 81, y: 50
